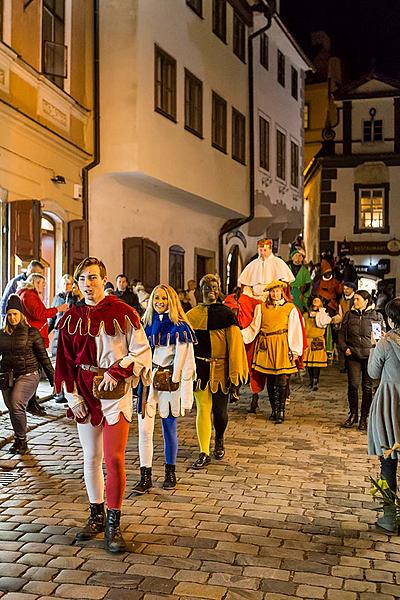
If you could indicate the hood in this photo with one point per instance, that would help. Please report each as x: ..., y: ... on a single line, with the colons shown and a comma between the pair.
x: 393, y: 337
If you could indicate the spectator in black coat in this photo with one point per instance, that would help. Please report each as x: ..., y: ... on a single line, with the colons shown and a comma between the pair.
x: 124, y: 293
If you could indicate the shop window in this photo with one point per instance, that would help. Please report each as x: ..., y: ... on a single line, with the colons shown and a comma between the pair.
x: 218, y: 126
x: 238, y: 136
x: 165, y: 84
x: 371, y: 208
x: 219, y: 19
x: 239, y: 37
x: 193, y: 104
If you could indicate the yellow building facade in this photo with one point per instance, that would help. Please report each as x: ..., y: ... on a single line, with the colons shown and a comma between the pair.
x: 46, y: 124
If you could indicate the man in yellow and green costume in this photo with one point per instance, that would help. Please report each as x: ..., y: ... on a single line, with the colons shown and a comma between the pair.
x: 220, y: 363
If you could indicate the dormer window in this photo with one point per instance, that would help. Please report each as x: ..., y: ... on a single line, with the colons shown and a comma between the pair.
x: 373, y: 129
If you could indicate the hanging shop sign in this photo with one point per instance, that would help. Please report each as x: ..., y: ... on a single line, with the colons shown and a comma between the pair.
x: 380, y: 269
x: 391, y: 247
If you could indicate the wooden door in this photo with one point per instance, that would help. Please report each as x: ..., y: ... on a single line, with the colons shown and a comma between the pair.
x: 24, y: 221
x: 77, y: 243
x: 176, y: 267
x: 141, y: 261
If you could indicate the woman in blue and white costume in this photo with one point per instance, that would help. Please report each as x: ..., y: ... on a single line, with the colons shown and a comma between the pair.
x: 171, y: 339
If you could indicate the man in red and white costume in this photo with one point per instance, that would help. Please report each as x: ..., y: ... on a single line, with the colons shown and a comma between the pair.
x: 101, y: 331
x: 264, y: 269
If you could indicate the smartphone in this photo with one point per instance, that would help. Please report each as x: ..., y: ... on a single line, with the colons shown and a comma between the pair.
x: 377, y: 330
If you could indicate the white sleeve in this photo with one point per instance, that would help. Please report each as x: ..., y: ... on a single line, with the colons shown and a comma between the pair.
x: 73, y: 399
x: 185, y: 373
x: 322, y: 319
x: 139, y: 353
x: 249, y: 333
x: 295, y: 332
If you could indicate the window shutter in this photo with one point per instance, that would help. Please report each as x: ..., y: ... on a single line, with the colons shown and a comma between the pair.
x: 77, y: 243
x: 24, y: 219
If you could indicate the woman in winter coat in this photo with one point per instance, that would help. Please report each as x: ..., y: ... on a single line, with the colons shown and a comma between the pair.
x: 355, y: 342
x: 316, y: 320
x: 22, y: 353
x: 384, y: 419
x: 171, y: 340
x: 36, y: 313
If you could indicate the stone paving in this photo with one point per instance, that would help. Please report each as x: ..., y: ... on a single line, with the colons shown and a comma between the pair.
x: 286, y: 514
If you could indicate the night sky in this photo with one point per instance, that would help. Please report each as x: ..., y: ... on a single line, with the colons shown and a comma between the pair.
x: 362, y: 31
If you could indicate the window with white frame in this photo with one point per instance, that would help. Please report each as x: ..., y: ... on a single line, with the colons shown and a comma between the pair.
x: 373, y: 130
x: 294, y: 164
x: 280, y: 155
x: 54, y: 57
x: 371, y: 208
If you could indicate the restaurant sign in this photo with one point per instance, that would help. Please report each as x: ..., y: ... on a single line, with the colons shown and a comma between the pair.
x: 391, y: 247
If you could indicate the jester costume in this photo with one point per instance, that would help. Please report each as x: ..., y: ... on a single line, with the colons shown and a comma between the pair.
x: 172, y: 346
x: 301, y: 287
x: 220, y: 362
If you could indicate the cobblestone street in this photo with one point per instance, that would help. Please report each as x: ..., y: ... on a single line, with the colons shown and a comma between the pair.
x: 286, y: 514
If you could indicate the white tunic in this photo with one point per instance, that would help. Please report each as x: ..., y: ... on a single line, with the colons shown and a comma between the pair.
x: 130, y: 347
x: 181, y: 356
x: 259, y: 272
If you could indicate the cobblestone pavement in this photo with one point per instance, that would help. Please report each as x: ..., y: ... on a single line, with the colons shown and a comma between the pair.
x: 287, y: 514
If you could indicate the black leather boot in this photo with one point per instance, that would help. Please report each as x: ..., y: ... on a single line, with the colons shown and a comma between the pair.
x: 170, y: 478
x: 365, y: 406
x: 19, y: 446
x: 253, y: 404
x: 203, y: 460
x: 315, y: 384
x: 94, y: 524
x: 280, y: 395
x: 145, y: 484
x: 351, y: 420
x: 113, y: 540
x: 219, y: 450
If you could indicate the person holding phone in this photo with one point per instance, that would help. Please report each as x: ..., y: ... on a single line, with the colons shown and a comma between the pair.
x: 384, y: 423
x: 355, y: 340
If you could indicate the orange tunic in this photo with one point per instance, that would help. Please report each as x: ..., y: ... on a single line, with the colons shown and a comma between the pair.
x: 272, y: 354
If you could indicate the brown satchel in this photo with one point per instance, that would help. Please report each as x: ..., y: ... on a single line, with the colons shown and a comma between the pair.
x: 114, y: 394
x: 162, y: 380
x: 317, y: 344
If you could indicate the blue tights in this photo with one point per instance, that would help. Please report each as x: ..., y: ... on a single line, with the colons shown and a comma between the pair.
x: 170, y: 439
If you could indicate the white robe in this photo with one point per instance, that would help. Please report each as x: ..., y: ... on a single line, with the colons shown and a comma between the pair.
x: 259, y: 272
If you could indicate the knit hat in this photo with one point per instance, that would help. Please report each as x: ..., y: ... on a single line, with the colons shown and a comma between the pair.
x: 14, y: 303
x: 350, y: 284
x: 296, y: 250
x: 275, y: 284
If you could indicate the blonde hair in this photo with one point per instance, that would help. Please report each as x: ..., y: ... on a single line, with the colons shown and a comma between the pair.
x: 32, y: 282
x: 9, y: 329
x: 175, y: 310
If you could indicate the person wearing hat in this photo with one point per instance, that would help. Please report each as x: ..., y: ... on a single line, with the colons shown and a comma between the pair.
x: 361, y: 324
x: 328, y: 288
x: 277, y: 329
x: 301, y: 287
x: 265, y: 268
x: 23, y: 355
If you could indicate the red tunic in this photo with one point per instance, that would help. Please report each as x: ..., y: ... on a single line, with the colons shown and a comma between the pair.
x: 35, y: 312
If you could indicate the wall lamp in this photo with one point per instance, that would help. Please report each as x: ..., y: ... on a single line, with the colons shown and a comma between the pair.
x: 58, y: 179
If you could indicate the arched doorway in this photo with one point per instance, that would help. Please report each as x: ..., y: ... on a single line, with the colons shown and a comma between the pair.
x: 48, y: 247
x: 232, y: 268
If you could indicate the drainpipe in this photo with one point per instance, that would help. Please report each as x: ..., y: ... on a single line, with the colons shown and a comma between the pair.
x: 268, y: 12
x: 96, y: 117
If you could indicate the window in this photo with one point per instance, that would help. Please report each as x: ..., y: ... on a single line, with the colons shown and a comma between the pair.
x: 264, y: 143
x: 371, y: 208
x: 373, y: 130
x: 294, y: 164
x: 306, y: 116
x: 281, y: 68
x: 219, y: 19
x: 295, y: 83
x: 218, y: 125
x: 176, y: 267
x: 193, y: 104
x: 196, y: 6
x: 165, y: 84
x: 280, y: 154
x: 238, y: 136
x: 264, y: 50
x: 54, y: 53
x: 239, y: 37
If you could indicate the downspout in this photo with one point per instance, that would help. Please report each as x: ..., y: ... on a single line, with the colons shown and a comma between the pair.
x: 96, y: 117
x: 235, y: 223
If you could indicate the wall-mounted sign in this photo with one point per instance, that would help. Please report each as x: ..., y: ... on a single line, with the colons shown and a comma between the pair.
x: 378, y: 270
x: 391, y: 247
